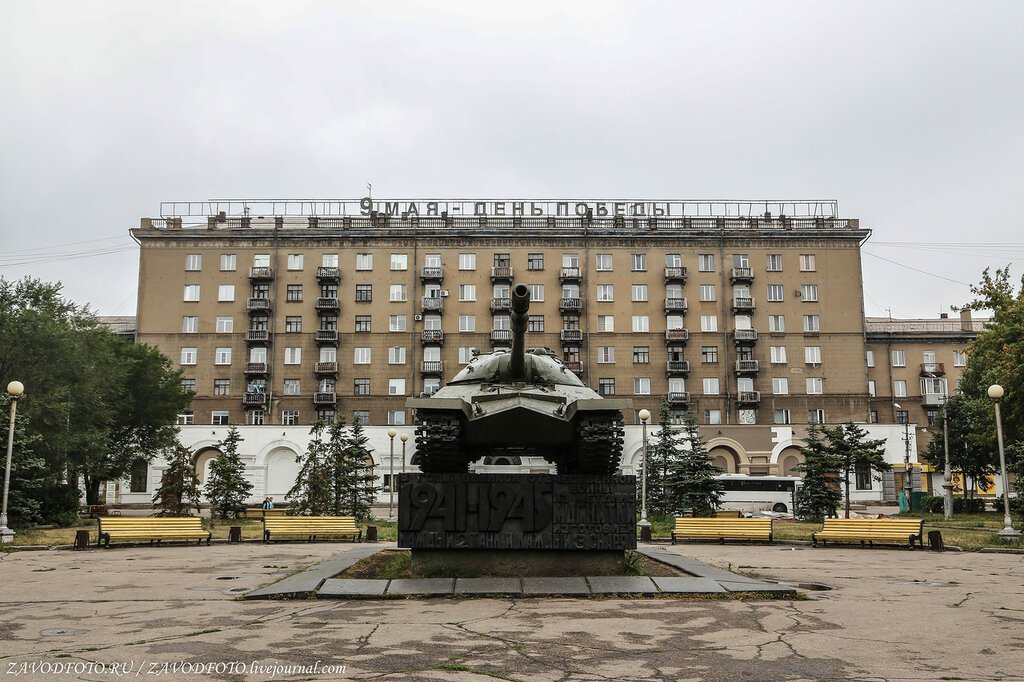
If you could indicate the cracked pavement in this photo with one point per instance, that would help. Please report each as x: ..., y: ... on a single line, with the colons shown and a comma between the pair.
x: 892, y: 615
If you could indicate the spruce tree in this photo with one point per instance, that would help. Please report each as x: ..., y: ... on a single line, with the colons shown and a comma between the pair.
x: 178, y: 494
x: 848, y: 443
x: 353, y: 483
x: 663, y: 449
x: 691, y: 476
x: 226, y: 488
x: 311, y: 494
x: 819, y: 495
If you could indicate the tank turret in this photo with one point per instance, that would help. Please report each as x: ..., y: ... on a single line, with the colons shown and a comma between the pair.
x: 519, y: 402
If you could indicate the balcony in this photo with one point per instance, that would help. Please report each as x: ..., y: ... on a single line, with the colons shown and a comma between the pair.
x: 326, y: 305
x: 674, y: 335
x: 747, y: 367
x: 501, y: 337
x: 574, y: 366
x: 258, y: 305
x: 675, y: 305
x: 328, y: 274
x: 571, y: 336
x: 432, y: 273
x: 256, y: 368
x: 933, y: 399
x: 261, y: 273
x: 675, y: 275
x: 570, y: 305
x: 432, y: 304
x: 326, y: 337
x: 569, y: 275
x: 433, y: 336
x: 741, y: 275
x: 745, y: 336
x: 502, y: 273
x: 326, y: 368
x: 933, y: 369
x: 742, y: 304
x: 432, y: 367
x: 257, y: 336
x: 677, y: 367
x: 254, y: 399
x: 748, y: 397
x: 682, y: 398
x: 325, y: 398
x: 501, y: 305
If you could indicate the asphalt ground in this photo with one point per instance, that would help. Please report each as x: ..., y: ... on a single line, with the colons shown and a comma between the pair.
x: 174, y: 612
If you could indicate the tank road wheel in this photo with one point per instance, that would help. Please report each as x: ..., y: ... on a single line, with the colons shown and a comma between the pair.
x: 598, y: 448
x: 437, y: 444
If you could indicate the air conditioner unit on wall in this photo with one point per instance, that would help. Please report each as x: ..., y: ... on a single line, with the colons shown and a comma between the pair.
x: 443, y: 293
x: 417, y: 317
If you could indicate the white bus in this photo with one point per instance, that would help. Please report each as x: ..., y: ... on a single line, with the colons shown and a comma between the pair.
x: 759, y: 493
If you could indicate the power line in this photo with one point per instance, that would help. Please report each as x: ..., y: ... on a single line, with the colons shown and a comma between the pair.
x: 923, y: 272
x: 60, y: 246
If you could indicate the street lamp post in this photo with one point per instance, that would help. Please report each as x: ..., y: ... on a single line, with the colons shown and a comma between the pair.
x: 404, y: 437
x: 908, y: 472
x: 15, y: 390
x: 995, y: 392
x: 391, y: 478
x: 644, y: 415
x: 947, y: 476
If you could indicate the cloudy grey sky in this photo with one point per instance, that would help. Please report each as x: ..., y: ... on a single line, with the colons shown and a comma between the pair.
x: 908, y: 113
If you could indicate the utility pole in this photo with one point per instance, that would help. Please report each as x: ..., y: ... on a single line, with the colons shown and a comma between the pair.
x: 947, y: 483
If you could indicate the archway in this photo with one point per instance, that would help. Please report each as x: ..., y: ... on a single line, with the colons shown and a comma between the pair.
x: 282, y: 470
x: 724, y: 459
x: 789, y: 459
x: 202, y: 459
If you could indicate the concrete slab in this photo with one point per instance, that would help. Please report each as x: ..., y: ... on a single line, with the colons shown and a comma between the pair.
x: 685, y: 563
x: 678, y: 585
x: 621, y: 584
x: 427, y: 587
x: 306, y: 583
x: 489, y: 586
x: 352, y: 588
x: 745, y: 586
x: 555, y: 586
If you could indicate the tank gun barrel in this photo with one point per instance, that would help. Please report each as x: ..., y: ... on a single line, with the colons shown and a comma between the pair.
x: 520, y: 316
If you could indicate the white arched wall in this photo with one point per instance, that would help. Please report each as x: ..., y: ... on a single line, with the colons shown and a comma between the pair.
x: 729, y: 450
x: 281, y: 472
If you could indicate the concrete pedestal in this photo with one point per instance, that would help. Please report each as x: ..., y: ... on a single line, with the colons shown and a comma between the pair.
x: 517, y: 563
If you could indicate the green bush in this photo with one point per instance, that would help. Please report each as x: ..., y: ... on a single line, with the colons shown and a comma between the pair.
x: 59, y: 504
x: 933, y: 505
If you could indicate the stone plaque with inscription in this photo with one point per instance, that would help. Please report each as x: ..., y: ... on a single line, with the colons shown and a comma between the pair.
x: 516, y: 512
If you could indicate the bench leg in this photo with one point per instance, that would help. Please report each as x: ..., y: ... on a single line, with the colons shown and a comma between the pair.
x: 266, y: 536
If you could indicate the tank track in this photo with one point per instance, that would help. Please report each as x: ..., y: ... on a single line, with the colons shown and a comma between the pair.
x: 598, y: 449
x: 437, y: 443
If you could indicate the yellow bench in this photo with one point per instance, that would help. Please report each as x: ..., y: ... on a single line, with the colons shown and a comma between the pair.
x: 311, y: 527
x: 259, y: 513
x: 889, y: 531
x: 151, y: 528
x: 722, y: 529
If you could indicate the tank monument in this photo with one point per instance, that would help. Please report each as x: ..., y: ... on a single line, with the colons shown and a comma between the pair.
x: 579, y: 521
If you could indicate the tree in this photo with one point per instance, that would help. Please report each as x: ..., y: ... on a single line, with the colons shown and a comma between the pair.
x: 1015, y: 466
x: 661, y: 454
x: 820, y: 495
x: 691, y: 475
x: 178, y: 494
x: 847, y: 443
x: 311, y: 495
x: 972, y: 442
x: 353, y: 483
x: 226, y: 488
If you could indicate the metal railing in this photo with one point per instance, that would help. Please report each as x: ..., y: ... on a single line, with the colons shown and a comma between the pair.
x: 677, y: 335
x: 679, y: 397
x: 501, y: 305
x: 257, y: 336
x: 566, y: 274
x: 261, y: 272
x: 325, y: 368
x: 432, y: 303
x: 675, y: 304
x: 745, y: 335
x: 432, y: 272
x: 570, y: 305
x: 433, y: 336
x: 326, y: 336
x: 325, y: 398
x: 675, y: 274
x: 502, y: 272
x: 741, y: 274
x: 255, y: 368
x: 432, y: 367
x: 678, y: 366
x: 748, y: 397
x: 328, y: 273
x: 571, y: 335
x: 747, y: 366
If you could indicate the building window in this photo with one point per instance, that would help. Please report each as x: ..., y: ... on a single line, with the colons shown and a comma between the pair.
x: 641, y: 386
x: 535, y: 323
x: 807, y: 262
x: 295, y: 261
x: 361, y: 387
x: 225, y: 325
x: 712, y: 416
x: 467, y: 261
x: 188, y: 385
x: 222, y: 387
x: 293, y: 293
x: 361, y: 356
x: 291, y: 386
x: 871, y: 388
x: 188, y: 356
x: 220, y: 418
x: 399, y: 261
x: 329, y: 260
x: 396, y: 355
x: 899, y: 388
x: 641, y: 355
x: 673, y: 260
x: 639, y: 262
x: 186, y: 419
x: 780, y: 386
x: 535, y: 261
x: 606, y: 386
x: 709, y: 354
x: 605, y: 292
x: 397, y: 293
x: 467, y: 292
x: 364, y: 261
x: 396, y: 386
x: 812, y: 355
x: 396, y: 323
x: 226, y: 293
x: 871, y: 358
x: 778, y: 355
x: 293, y: 356
x: 290, y: 417
x: 325, y: 416
x: 396, y: 417
x: 710, y: 385
x: 815, y: 385
x: 604, y: 262
x: 809, y: 293
x: 709, y: 323
x: 959, y: 358
x: 361, y: 417
x: 362, y: 324
x: 775, y: 292
x: 706, y: 262
x: 777, y: 323
x: 707, y: 292
x: 933, y: 417
x: 873, y: 417
x: 228, y: 262
x: 639, y: 293
x: 902, y: 417
x: 364, y: 293
x: 774, y: 262
x: 255, y: 417
x: 466, y: 354
x: 189, y: 324
x: 605, y: 323
x: 812, y: 323
x: 641, y: 323
x: 193, y: 262
x: 258, y: 354
x: 467, y: 323
x: 816, y: 416
x: 293, y: 324
x: 863, y: 474
x: 191, y: 292
x: 261, y: 260
x: 781, y: 417
x: 536, y: 292
x: 139, y: 476
x: 899, y: 358
x: 606, y: 354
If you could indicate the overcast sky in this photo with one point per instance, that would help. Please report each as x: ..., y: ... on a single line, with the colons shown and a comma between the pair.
x: 908, y: 113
